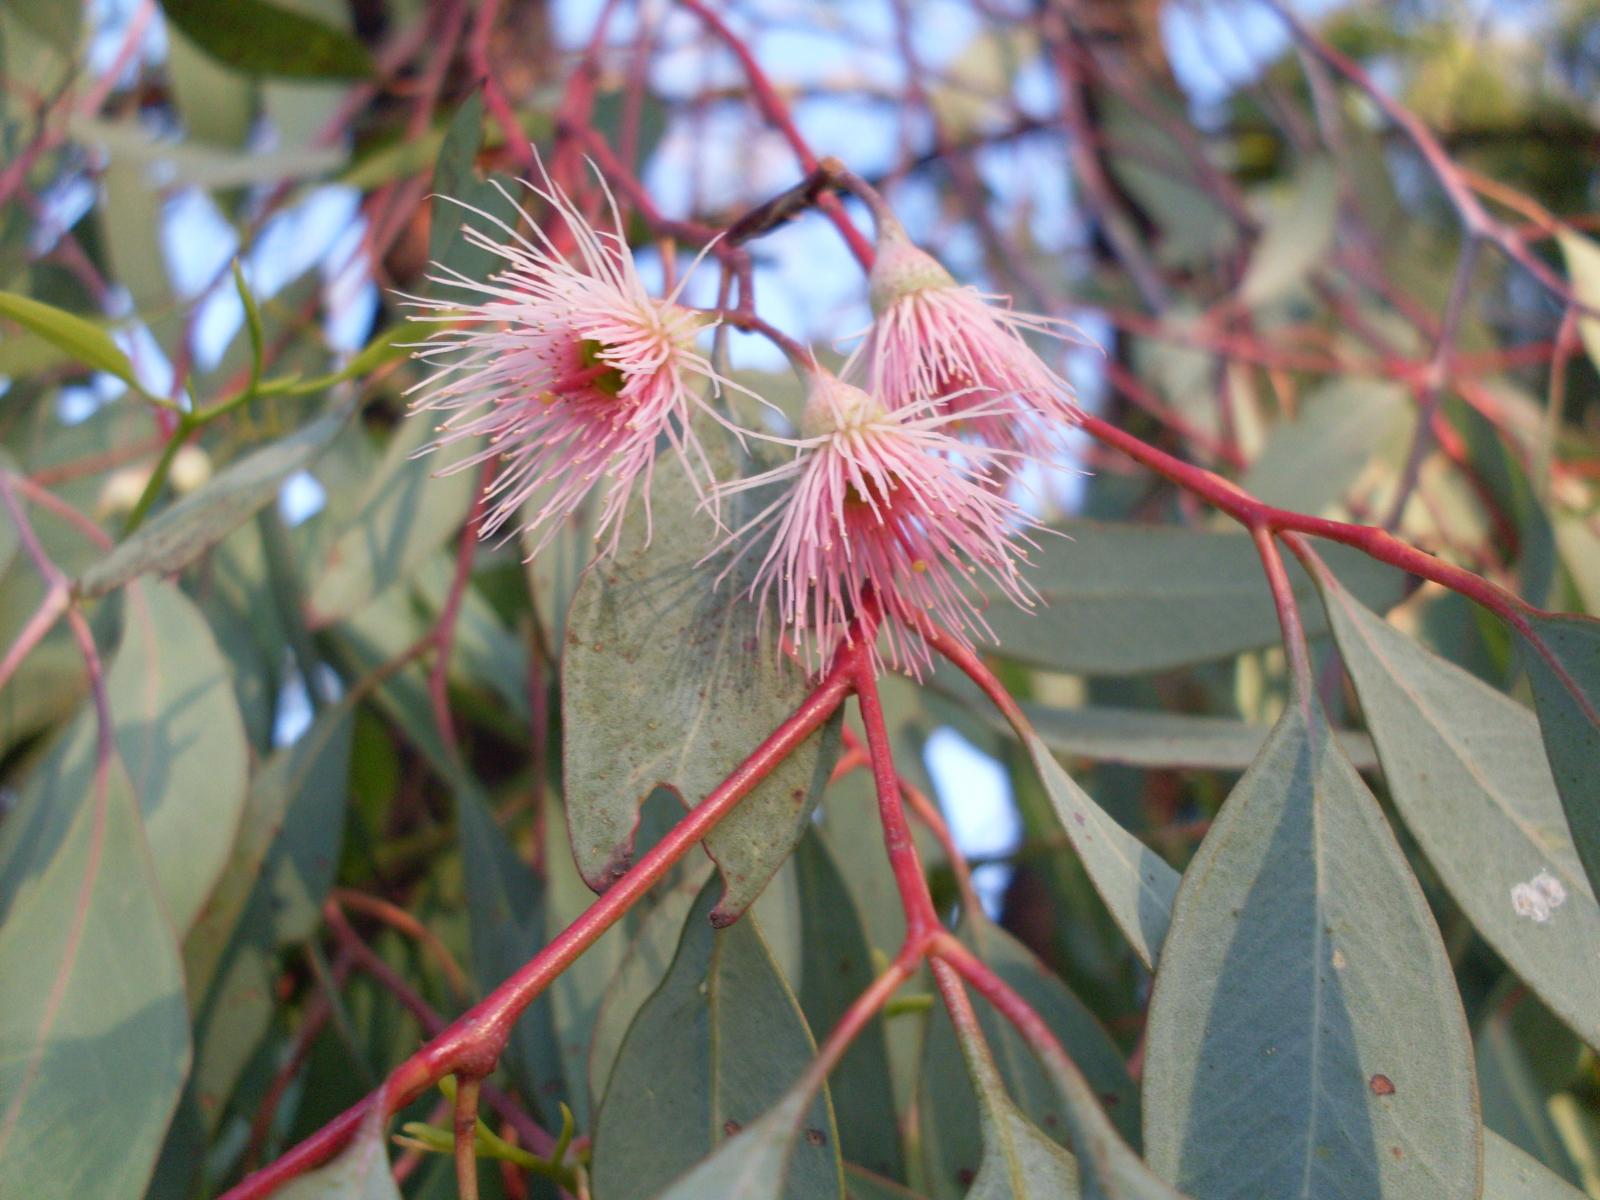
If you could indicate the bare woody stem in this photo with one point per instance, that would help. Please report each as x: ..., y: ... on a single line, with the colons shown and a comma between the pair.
x: 472, y: 1043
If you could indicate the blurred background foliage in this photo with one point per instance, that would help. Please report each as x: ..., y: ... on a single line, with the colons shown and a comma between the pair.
x: 1260, y: 261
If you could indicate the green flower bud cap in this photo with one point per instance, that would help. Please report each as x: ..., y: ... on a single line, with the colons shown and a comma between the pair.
x: 902, y: 267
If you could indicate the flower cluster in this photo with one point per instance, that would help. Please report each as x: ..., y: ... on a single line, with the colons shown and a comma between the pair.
x: 894, y: 507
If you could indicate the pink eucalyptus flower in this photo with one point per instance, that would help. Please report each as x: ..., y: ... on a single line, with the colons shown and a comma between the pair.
x: 568, y: 367
x: 884, y: 503
x: 933, y: 339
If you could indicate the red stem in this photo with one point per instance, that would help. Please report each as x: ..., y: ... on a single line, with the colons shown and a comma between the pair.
x: 921, y: 918
x: 472, y: 1043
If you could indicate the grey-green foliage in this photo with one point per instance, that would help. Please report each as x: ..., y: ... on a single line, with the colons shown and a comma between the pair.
x: 1468, y: 772
x: 1305, y: 1034
x: 712, y: 1050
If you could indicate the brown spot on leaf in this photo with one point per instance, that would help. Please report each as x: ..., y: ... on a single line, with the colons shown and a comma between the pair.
x: 965, y: 1176
x: 1381, y: 1085
x: 1397, y: 1152
x: 815, y: 1137
x: 731, y: 1127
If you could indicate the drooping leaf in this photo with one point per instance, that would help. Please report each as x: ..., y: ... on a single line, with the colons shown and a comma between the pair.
x: 1143, y: 738
x: 408, y: 511
x: 506, y: 909
x: 977, y: 1143
x: 576, y: 995
x: 262, y: 38
x: 1305, y: 1034
x: 1074, y: 1026
x: 1125, y: 599
x: 1297, y: 236
x: 1467, y: 772
x: 639, y: 974
x: 83, y: 340
x: 838, y: 967
x: 650, y: 636
x: 182, y: 742
x: 1511, y: 1174
x: 179, y: 534
x: 1569, y: 721
x: 269, y: 897
x: 1309, y: 463
x: 94, y: 1032
x: 1135, y: 882
x: 715, y: 1048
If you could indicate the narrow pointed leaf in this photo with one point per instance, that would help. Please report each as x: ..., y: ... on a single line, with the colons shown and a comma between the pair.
x: 1305, y: 1034
x: 182, y: 742
x: 179, y: 534
x: 837, y: 968
x: 712, y: 1051
x: 1468, y: 773
x: 506, y: 911
x: 408, y: 511
x: 263, y: 38
x: 269, y: 897
x: 1135, y: 882
x: 83, y: 340
x: 649, y: 635
x: 978, y: 1143
x: 1123, y: 599
x: 1569, y: 720
x: 94, y: 1032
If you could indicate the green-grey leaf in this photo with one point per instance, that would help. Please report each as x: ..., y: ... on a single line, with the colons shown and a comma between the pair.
x: 94, y: 1032
x: 753, y: 1163
x: 716, y: 1047
x: 1144, y: 738
x: 1074, y: 1026
x: 649, y: 636
x: 269, y: 897
x: 977, y: 1142
x: 639, y: 974
x: 1467, y: 772
x: 82, y: 340
x: 1123, y: 599
x: 408, y: 511
x: 1511, y: 1174
x: 182, y: 741
x: 576, y: 995
x: 1297, y: 236
x: 261, y: 38
x: 1570, y: 723
x: 1524, y: 1057
x: 1309, y: 463
x: 505, y: 908
x: 1305, y: 1034
x: 361, y: 1172
x: 1135, y: 882
x: 179, y: 534
x: 837, y: 968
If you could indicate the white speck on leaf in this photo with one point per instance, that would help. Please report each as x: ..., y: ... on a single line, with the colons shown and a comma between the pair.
x: 1538, y: 898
